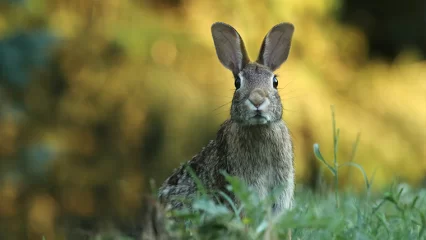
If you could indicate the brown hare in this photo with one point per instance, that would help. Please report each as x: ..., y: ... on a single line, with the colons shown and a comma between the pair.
x: 254, y: 144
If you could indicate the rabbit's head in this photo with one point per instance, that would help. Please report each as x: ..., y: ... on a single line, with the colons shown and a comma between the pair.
x: 256, y: 99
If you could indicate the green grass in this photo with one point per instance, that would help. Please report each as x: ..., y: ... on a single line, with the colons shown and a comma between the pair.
x: 396, y: 213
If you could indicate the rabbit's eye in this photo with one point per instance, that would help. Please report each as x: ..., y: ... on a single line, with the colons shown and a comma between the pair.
x: 275, y: 82
x: 237, y: 82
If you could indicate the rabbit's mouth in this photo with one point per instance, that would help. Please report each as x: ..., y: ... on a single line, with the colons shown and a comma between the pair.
x: 258, y: 114
x: 258, y: 118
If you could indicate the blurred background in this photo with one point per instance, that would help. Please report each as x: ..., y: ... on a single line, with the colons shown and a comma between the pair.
x: 99, y: 97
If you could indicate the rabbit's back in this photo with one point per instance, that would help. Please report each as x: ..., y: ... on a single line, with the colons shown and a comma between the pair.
x: 181, y: 187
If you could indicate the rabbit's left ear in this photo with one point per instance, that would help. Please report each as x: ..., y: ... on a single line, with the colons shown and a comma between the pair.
x: 276, y: 46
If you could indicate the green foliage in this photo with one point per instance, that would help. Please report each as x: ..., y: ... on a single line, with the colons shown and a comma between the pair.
x: 398, y: 214
x: 334, y: 169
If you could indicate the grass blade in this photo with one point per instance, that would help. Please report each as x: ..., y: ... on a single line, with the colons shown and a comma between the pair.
x: 364, y: 174
x: 319, y: 156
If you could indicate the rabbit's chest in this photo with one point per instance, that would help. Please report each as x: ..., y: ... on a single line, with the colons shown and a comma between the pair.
x: 261, y: 156
x: 263, y: 168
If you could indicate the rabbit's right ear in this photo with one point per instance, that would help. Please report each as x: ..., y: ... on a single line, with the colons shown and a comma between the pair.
x: 229, y: 47
x: 276, y: 46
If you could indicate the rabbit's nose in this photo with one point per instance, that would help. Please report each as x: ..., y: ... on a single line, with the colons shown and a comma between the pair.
x: 257, y: 97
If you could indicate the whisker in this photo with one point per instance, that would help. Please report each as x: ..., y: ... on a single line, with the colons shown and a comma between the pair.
x: 289, y: 110
x: 221, y: 96
x: 221, y: 106
x: 293, y: 97
x: 286, y: 84
x: 291, y: 91
x: 292, y: 135
x: 219, y: 113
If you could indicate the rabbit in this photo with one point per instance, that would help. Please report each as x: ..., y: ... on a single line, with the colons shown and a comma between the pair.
x: 254, y: 144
